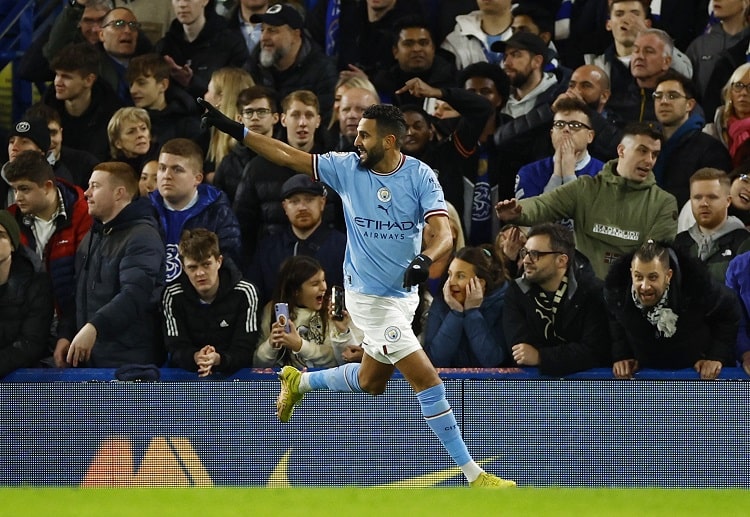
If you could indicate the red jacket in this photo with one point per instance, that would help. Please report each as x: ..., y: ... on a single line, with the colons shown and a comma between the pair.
x: 59, y: 254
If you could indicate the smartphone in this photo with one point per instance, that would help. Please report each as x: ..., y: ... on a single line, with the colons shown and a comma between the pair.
x: 337, y: 295
x: 282, y: 316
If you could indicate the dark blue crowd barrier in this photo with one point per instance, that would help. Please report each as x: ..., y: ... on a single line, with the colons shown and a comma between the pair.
x: 78, y: 427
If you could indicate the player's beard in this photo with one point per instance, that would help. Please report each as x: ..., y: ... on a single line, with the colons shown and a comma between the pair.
x: 374, y: 155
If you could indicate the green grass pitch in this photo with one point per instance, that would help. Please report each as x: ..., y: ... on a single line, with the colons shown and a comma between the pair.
x: 361, y: 502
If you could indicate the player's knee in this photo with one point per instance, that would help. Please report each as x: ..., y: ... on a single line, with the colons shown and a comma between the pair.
x: 374, y: 388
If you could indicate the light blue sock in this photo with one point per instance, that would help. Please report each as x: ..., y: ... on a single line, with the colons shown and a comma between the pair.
x: 439, y: 416
x: 341, y: 378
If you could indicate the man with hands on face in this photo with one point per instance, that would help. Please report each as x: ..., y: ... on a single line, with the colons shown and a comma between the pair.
x: 554, y: 316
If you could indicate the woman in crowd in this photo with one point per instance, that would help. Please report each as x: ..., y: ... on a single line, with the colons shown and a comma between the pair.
x: 732, y: 119
x: 129, y: 132
x: 464, y: 326
x: 223, y: 88
x: 315, y: 339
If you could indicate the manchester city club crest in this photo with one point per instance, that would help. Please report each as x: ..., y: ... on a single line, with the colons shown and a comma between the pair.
x: 392, y: 334
x: 384, y: 195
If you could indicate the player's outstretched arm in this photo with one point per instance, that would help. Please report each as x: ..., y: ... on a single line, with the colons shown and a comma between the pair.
x: 271, y: 149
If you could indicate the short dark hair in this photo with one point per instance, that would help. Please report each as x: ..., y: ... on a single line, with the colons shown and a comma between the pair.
x: 122, y: 174
x: 389, y: 118
x: 185, y: 148
x: 560, y: 238
x: 686, y: 83
x: 651, y: 250
x: 30, y: 165
x: 410, y: 22
x: 572, y: 104
x: 541, y: 17
x: 492, y: 72
x: 649, y: 129
x: 198, y: 244
x: 646, y: 4
x: 43, y: 112
x: 487, y: 264
x: 147, y: 65
x: 256, y: 92
x: 82, y: 58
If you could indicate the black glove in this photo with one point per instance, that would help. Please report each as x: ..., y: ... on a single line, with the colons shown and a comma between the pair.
x: 215, y: 118
x: 418, y: 271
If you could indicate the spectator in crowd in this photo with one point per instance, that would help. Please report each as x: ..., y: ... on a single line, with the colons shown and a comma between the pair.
x: 667, y: 313
x: 258, y: 203
x: 198, y: 43
x: 130, y: 138
x: 686, y: 147
x: 732, y: 119
x: 287, y: 59
x: 222, y: 92
x: 303, y: 202
x: 738, y: 280
x: 740, y: 200
x: 171, y: 110
x: 651, y: 58
x: 591, y: 84
x: 183, y: 202
x: 209, y: 311
x: 491, y: 172
x: 524, y: 139
x: 615, y: 211
x: 439, y: 267
x: 554, y: 316
x: 715, y: 238
x: 342, y: 85
x: 508, y: 243
x: 74, y: 164
x: 258, y: 110
x: 26, y: 135
x: 53, y: 217
x: 414, y: 50
x: 354, y: 101
x: 627, y: 20
x: 25, y: 302
x: 120, y: 272
x: 475, y: 32
x: 703, y: 51
x: 147, y: 179
x: 571, y: 135
x: 537, y: 19
x: 464, y: 328
x: 358, y: 34
x: 448, y: 157
x: 238, y: 19
x: 85, y: 103
x: 314, y: 339
x: 116, y: 35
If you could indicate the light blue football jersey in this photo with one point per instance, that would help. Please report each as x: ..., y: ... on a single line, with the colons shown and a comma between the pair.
x: 385, y: 214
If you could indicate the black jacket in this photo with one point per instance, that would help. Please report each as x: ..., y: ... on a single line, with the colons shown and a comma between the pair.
x: 25, y: 315
x: 215, y: 47
x: 229, y: 323
x: 708, y: 318
x: 580, y: 340
x: 180, y: 119
x: 441, y: 74
x: 120, y: 272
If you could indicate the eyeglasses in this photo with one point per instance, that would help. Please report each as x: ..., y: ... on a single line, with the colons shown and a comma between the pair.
x: 120, y: 25
x: 534, y: 254
x: 737, y: 87
x: 574, y: 125
x: 261, y: 112
x: 672, y: 96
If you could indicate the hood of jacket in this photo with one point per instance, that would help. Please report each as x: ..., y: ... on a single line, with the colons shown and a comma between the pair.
x: 609, y: 174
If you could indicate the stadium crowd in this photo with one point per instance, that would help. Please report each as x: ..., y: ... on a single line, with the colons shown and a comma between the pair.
x: 593, y: 154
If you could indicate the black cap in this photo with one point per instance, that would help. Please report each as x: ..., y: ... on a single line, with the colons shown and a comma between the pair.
x: 523, y: 41
x: 302, y: 183
x: 35, y: 129
x: 280, y: 14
